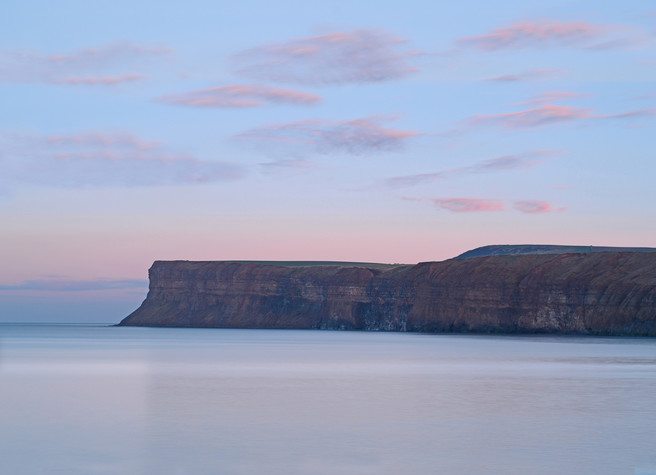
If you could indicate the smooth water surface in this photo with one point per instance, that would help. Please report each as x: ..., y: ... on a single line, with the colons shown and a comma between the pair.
x: 93, y: 399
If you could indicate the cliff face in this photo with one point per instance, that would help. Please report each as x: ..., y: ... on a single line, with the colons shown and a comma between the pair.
x: 611, y: 293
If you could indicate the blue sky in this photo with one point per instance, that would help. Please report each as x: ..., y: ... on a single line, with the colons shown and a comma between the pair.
x: 394, y: 132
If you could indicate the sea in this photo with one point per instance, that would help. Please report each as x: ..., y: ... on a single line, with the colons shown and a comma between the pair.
x: 99, y: 399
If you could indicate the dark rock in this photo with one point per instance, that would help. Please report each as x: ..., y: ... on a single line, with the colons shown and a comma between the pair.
x: 604, y: 293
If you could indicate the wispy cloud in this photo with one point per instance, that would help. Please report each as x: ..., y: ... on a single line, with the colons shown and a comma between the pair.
x: 632, y: 114
x: 355, y: 137
x: 361, y: 56
x: 487, y: 205
x: 535, y: 207
x: 110, y: 80
x: 102, y: 66
x: 552, y: 33
x: 548, y: 114
x: 286, y: 164
x: 240, y: 96
x: 103, y: 159
x: 551, y: 97
x: 528, y: 75
x: 534, y: 117
x: 468, y: 205
x: 114, y: 53
x: 503, y: 163
x: 122, y: 140
x: 68, y: 285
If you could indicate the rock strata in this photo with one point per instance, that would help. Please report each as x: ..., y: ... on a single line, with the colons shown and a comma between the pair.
x: 604, y: 293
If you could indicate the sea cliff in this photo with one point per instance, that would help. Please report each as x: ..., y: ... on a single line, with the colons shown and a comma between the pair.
x: 602, y: 293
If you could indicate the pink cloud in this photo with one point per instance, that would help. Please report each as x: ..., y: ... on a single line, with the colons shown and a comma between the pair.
x: 241, y: 96
x: 360, y: 56
x: 484, y: 205
x: 553, y: 96
x: 535, y: 117
x: 104, y: 65
x: 530, y: 75
x: 503, y: 163
x: 468, y: 205
x: 358, y: 136
x: 544, y: 33
x: 535, y: 207
x: 99, y: 80
x: 547, y: 114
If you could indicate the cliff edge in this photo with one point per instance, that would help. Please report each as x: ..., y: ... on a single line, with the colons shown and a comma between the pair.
x: 601, y: 293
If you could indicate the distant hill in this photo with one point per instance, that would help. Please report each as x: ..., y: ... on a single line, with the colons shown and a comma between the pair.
x: 522, y: 249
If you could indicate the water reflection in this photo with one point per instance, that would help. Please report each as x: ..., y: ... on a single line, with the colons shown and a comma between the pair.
x: 93, y: 399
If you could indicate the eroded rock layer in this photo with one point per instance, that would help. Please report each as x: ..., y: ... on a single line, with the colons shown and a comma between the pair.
x: 609, y: 293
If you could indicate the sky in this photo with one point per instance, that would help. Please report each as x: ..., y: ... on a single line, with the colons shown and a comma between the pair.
x: 357, y: 131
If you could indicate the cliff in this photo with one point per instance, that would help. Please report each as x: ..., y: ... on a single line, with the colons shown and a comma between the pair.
x: 604, y: 293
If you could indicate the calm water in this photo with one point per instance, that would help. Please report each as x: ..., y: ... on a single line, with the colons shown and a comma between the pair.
x: 92, y: 399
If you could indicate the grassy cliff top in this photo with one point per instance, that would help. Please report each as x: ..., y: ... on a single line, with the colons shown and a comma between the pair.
x: 369, y: 265
x: 521, y: 249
